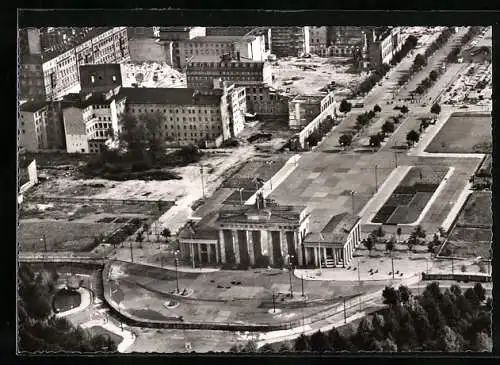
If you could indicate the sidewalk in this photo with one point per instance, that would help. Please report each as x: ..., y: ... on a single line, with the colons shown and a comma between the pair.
x: 86, y: 299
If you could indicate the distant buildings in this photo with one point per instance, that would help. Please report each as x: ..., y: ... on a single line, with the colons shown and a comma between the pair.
x: 289, y: 41
x: 50, y: 58
x: 383, y: 43
x: 304, y: 108
x: 40, y: 126
x: 255, y: 76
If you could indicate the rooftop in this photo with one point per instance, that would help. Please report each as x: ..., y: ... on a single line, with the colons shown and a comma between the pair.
x: 310, y: 99
x: 73, y: 42
x: 76, y: 99
x: 32, y: 106
x: 203, y: 229
x: 336, y: 230
x: 221, y: 38
x: 284, y: 214
x: 173, y: 96
x: 218, y: 59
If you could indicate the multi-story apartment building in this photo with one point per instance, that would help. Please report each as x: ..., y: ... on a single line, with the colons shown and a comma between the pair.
x: 40, y: 126
x: 383, y: 43
x: 304, y: 108
x: 318, y: 40
x: 255, y: 76
x: 192, y: 116
x: 289, y: 41
x: 201, y: 70
x: 50, y: 73
x: 91, y: 118
x: 241, y: 31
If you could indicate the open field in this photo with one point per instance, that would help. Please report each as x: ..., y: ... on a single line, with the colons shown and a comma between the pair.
x: 60, y: 235
x: 463, y: 133
x: 410, y: 197
x: 472, y: 234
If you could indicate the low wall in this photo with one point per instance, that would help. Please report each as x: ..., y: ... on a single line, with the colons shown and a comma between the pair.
x: 313, y: 125
x: 483, y: 278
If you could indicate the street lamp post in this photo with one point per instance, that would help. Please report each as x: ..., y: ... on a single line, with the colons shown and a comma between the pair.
x: 177, y: 271
x: 376, y: 178
x: 352, y: 200
x: 290, y: 257
x: 302, y: 284
x: 131, y: 252
x: 392, y: 263
x: 396, y: 158
x: 241, y: 195
x: 274, y: 304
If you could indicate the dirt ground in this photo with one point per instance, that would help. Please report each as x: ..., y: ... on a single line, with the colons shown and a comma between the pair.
x: 318, y: 73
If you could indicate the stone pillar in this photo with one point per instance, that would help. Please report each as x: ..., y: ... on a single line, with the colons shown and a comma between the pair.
x: 263, y: 243
x: 236, y: 246
x: 269, y: 245
x: 283, y: 245
x: 344, y: 257
x: 335, y: 257
x: 222, y: 248
x: 298, y: 248
x: 250, y: 247
x: 209, y: 252
x: 316, y: 256
x: 199, y: 252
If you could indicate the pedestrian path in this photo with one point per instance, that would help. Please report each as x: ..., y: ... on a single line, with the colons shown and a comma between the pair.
x: 85, y: 301
x: 457, y: 207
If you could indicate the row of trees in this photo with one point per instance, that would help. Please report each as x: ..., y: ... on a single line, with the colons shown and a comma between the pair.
x: 446, y: 320
x: 410, y: 43
x: 417, y: 237
x: 323, y: 128
x: 39, y: 329
x: 452, y: 57
x: 362, y: 121
x: 367, y: 84
x: 421, y: 59
x: 428, y: 82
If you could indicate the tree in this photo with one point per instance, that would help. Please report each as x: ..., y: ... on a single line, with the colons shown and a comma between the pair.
x: 391, y: 296
x: 412, y: 137
x: 379, y: 232
x: 139, y: 238
x: 153, y: 123
x: 377, y: 108
x: 319, y: 342
x: 449, y: 340
x: 375, y: 140
x: 483, y: 342
x: 364, y: 332
x: 398, y: 232
x: 363, y: 119
x: 404, y: 294
x: 345, y: 140
x: 388, y: 345
x: 345, y: 107
x: 435, y: 109
x: 404, y: 109
x: 302, y: 343
x: 166, y: 233
x: 433, y: 75
x: 388, y: 127
x: 145, y: 228
x: 389, y: 245
x: 378, y: 326
x: 480, y: 292
x: 419, y: 62
x: 368, y: 243
x: 412, y: 241
x: 250, y: 346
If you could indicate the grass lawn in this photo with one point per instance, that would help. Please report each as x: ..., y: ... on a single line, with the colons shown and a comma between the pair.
x: 477, y: 211
x: 466, y: 249
x: 65, y: 300
x: 463, y: 134
x: 98, y: 330
x: 60, y: 235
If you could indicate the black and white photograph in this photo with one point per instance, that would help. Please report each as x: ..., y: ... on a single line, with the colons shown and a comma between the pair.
x: 254, y: 189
